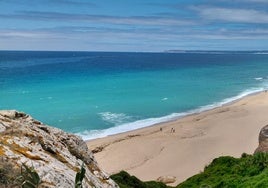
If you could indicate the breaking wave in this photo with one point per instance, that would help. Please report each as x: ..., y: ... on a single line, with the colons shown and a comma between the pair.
x: 123, y: 125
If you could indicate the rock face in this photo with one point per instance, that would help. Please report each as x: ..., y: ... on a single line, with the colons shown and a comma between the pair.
x: 55, y: 155
x: 263, y: 140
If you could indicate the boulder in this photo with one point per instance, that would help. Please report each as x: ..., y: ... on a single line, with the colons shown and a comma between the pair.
x: 55, y: 155
x: 263, y: 140
x: 167, y: 179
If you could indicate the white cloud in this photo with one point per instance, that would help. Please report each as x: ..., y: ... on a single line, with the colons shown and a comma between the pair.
x: 256, y: 31
x: 233, y: 15
x: 256, y: 1
x: 119, y: 20
x: 19, y: 34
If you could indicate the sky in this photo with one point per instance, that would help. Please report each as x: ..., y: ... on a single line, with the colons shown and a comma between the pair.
x: 133, y: 25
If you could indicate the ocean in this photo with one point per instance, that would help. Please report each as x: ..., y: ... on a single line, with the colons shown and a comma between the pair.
x: 95, y: 94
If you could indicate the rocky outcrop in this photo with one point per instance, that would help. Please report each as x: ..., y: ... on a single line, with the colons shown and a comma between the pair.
x: 53, y: 153
x: 263, y: 140
x: 167, y: 179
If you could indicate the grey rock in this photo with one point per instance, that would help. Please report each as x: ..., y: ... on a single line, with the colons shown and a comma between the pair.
x: 263, y: 140
x: 167, y: 179
x: 2, y: 127
x: 54, y: 154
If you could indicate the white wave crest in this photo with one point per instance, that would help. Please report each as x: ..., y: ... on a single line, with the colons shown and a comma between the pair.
x: 115, y: 118
x: 259, y: 78
x: 108, y: 116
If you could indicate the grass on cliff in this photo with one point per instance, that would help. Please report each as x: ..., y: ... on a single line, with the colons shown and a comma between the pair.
x: 249, y: 171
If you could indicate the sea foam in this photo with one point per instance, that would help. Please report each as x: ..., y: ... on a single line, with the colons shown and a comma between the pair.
x: 111, y: 117
x: 259, y: 78
x: 115, y: 118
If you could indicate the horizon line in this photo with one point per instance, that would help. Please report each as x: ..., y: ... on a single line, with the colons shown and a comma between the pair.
x: 165, y: 51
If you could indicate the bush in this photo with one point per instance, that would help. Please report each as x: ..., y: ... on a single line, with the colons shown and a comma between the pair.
x: 247, y: 171
x: 79, y: 177
x: 124, y: 180
x: 29, y: 178
x: 223, y: 172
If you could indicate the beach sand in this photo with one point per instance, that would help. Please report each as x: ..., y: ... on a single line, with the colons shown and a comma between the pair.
x: 149, y: 153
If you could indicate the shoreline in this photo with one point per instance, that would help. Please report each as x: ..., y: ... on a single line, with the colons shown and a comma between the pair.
x: 149, y: 153
x: 143, y: 123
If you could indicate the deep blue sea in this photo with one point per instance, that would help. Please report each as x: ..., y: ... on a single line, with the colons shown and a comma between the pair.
x: 95, y: 94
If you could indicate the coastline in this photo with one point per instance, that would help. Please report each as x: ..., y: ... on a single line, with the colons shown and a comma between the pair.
x: 143, y: 123
x: 149, y: 153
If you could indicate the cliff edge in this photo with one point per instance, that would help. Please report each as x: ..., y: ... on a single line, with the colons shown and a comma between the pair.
x: 55, y: 155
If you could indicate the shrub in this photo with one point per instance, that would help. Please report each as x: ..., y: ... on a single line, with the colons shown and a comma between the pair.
x: 124, y: 180
x: 223, y: 172
x: 29, y: 178
x: 79, y: 177
x: 247, y: 171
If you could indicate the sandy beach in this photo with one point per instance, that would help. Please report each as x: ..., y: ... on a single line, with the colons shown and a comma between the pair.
x: 151, y: 152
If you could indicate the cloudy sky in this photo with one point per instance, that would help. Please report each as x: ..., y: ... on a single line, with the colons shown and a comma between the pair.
x: 133, y: 25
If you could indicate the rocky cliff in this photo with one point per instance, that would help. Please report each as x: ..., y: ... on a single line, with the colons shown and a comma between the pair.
x: 55, y: 155
x: 263, y: 140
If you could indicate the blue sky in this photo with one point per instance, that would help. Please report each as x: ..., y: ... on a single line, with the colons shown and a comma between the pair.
x: 133, y: 25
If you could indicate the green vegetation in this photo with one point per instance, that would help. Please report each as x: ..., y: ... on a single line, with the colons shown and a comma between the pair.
x: 79, y: 177
x: 124, y: 180
x: 29, y: 178
x: 249, y: 171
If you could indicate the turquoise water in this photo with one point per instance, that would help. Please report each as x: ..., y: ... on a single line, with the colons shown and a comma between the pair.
x: 95, y: 94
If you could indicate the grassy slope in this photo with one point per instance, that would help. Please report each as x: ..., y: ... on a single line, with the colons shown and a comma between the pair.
x: 247, y: 171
